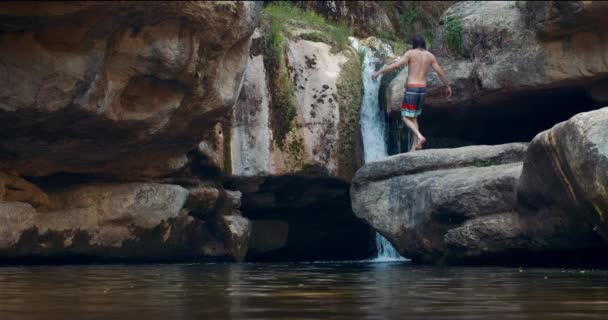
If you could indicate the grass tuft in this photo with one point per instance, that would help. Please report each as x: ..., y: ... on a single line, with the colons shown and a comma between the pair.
x: 284, y: 13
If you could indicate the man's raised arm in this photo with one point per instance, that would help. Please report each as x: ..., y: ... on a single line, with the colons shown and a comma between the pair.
x: 442, y: 76
x: 390, y: 67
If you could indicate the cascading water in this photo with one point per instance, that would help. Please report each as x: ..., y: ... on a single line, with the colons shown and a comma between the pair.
x: 373, y: 130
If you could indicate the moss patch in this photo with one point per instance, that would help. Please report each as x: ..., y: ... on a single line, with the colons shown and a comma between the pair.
x: 349, y: 89
x: 453, y: 35
x: 484, y: 163
x: 294, y: 143
x: 282, y: 108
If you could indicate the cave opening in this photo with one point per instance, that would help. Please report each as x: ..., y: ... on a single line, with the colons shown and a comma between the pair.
x: 299, y: 218
x: 517, y: 118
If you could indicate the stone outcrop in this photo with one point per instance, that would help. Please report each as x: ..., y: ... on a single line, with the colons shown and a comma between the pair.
x: 130, y: 222
x: 478, y: 204
x: 102, y: 87
x: 565, y: 175
x: 367, y: 18
x: 516, y: 47
x: 512, y: 64
x: 102, y: 105
x: 443, y: 204
x: 322, y: 134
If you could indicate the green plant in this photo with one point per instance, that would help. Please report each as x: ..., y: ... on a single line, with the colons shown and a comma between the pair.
x: 361, y: 53
x: 409, y: 16
x: 484, y: 163
x: 282, y: 109
x: 453, y: 35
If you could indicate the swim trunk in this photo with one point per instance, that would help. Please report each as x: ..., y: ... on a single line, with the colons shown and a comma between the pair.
x: 413, y: 101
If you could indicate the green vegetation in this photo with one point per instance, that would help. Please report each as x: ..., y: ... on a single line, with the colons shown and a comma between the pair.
x: 282, y: 109
x: 361, y: 53
x: 484, y: 163
x: 283, y: 13
x: 349, y: 100
x: 453, y: 35
x: 282, y: 18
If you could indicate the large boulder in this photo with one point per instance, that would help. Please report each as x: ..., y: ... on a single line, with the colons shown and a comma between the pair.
x: 565, y: 174
x: 103, y: 87
x: 445, y: 205
x: 134, y: 221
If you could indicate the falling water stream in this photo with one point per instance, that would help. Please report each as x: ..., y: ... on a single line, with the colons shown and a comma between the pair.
x: 373, y: 131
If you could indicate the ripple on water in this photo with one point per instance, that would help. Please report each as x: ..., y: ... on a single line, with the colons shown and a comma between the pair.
x: 300, y: 291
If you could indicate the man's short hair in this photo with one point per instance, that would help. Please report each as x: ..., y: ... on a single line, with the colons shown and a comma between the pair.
x: 418, y: 42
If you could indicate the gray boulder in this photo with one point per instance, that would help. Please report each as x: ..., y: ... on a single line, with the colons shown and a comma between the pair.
x: 565, y: 176
x: 443, y: 204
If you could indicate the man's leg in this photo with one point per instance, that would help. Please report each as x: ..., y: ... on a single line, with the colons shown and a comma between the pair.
x: 412, y: 124
x: 422, y: 140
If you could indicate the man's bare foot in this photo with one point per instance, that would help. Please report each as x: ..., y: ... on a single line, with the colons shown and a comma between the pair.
x: 421, y: 141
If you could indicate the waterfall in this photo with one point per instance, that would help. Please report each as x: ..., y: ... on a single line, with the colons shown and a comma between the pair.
x: 374, y: 131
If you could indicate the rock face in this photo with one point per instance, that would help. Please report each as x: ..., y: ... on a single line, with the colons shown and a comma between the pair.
x: 102, y: 87
x: 367, y: 18
x: 517, y: 47
x: 322, y: 134
x: 443, y: 204
x: 102, y: 105
x: 118, y: 221
x: 524, y: 65
x: 565, y: 173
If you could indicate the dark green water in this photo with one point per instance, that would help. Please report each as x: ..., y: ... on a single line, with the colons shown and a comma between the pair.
x: 355, y: 290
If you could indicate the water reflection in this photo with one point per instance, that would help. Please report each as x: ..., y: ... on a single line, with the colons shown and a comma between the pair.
x: 299, y: 291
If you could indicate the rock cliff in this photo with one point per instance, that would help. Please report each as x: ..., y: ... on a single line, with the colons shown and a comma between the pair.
x: 102, y: 105
x: 294, y: 142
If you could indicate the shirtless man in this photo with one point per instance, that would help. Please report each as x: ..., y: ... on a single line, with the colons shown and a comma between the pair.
x: 418, y: 60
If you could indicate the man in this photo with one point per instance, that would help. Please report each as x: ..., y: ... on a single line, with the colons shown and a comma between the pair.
x: 418, y: 60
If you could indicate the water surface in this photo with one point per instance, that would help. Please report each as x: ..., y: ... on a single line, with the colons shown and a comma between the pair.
x: 355, y: 290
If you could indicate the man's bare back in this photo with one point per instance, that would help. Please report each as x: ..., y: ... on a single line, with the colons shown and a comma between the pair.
x: 418, y: 62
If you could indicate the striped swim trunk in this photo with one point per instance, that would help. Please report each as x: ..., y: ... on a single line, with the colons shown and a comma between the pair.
x: 413, y: 100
